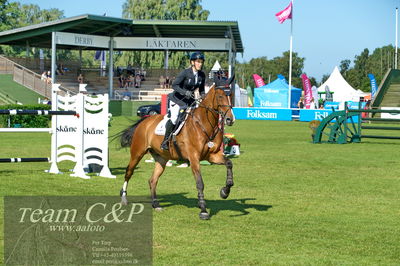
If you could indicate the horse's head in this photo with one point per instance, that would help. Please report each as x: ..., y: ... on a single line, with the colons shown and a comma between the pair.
x: 222, y: 100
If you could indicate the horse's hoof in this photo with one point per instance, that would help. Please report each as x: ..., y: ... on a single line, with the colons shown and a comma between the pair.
x: 204, y: 216
x: 158, y: 209
x: 124, y: 200
x: 223, y: 193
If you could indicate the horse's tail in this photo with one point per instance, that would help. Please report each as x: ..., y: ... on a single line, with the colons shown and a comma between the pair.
x: 126, y: 135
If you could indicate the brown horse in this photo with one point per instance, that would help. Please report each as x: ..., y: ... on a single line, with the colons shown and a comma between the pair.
x: 199, y: 139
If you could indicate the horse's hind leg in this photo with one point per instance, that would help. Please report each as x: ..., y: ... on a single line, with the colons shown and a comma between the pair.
x: 136, y: 156
x: 219, y: 158
x: 158, y: 170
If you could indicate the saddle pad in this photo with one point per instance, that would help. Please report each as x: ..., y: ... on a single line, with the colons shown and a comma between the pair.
x: 160, y: 129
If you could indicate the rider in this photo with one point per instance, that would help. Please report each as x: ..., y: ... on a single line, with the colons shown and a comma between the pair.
x: 184, y: 85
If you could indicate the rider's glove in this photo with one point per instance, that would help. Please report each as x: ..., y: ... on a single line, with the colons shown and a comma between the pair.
x: 188, y: 94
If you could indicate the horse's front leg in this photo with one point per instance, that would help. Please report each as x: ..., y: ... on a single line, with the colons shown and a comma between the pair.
x: 229, y: 179
x: 195, y: 165
x: 219, y: 158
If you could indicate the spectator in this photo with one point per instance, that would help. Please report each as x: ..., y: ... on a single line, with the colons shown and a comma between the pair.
x: 162, y: 82
x: 366, y: 107
x: 64, y: 69
x: 126, y: 95
x: 119, y: 71
x: 44, y: 76
x: 138, y: 81
x: 130, y: 70
x: 143, y: 75
x: 300, y: 104
x: 121, y: 81
x: 167, y: 82
x: 48, y: 79
x: 128, y: 81
x: 321, y: 104
x: 312, y: 103
x: 80, y: 78
x: 59, y: 70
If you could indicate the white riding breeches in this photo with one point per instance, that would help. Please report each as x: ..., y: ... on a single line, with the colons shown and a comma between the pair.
x: 173, y: 111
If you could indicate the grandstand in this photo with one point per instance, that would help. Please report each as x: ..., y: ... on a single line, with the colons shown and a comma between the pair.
x: 388, y: 94
x: 27, y: 72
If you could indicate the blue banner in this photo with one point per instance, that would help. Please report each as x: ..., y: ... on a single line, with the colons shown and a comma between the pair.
x: 316, y: 114
x: 262, y: 114
x: 329, y: 105
x: 374, y: 88
x: 355, y: 105
x: 273, y: 98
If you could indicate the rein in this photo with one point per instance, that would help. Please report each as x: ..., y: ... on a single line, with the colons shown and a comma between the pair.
x: 221, y: 119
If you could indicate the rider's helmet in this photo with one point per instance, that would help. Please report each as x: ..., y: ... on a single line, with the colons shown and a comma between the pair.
x: 196, y: 55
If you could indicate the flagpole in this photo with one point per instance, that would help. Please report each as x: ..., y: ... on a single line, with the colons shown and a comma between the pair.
x: 290, y: 59
x: 395, y: 58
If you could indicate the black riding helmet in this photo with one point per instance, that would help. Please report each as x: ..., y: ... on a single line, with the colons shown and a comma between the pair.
x: 196, y: 55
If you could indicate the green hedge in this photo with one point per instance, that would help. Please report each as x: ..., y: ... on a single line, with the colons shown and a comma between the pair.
x: 27, y: 121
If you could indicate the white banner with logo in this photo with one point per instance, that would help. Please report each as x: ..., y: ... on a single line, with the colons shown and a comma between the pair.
x: 144, y: 43
x: 82, y: 40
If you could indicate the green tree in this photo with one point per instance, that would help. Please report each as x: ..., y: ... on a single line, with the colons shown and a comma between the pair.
x: 269, y: 69
x: 344, y: 66
x: 15, y: 15
x: 163, y: 10
x: 377, y: 63
x: 9, y: 13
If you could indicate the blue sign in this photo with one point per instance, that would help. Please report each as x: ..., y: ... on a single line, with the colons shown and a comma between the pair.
x: 268, y: 97
x: 355, y: 105
x: 318, y: 114
x: 329, y: 105
x: 262, y: 114
x: 313, y: 114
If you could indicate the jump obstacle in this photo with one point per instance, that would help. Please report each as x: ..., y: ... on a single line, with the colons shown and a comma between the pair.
x: 79, y: 132
x: 345, y: 126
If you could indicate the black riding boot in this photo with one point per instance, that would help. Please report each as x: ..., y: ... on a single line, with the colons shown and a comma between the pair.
x: 169, y: 126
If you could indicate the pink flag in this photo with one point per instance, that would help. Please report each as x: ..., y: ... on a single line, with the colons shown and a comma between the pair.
x: 307, y: 90
x: 285, y: 14
x: 258, y: 80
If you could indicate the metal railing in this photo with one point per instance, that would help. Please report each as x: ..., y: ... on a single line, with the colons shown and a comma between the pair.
x: 28, y: 78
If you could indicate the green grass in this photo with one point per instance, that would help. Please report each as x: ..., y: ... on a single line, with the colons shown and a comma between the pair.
x: 16, y: 91
x: 293, y: 202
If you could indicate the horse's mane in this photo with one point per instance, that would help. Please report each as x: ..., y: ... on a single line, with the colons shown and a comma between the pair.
x: 209, y: 94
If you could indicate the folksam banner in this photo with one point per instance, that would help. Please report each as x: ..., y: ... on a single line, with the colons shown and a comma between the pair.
x: 374, y: 88
x: 307, y: 90
x: 319, y: 114
x: 262, y: 114
x: 272, y: 98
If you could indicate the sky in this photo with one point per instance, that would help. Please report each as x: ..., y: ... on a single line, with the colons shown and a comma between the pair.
x: 325, y: 32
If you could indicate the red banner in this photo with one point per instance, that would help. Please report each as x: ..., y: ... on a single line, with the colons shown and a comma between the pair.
x: 285, y: 14
x: 307, y: 90
x: 258, y: 80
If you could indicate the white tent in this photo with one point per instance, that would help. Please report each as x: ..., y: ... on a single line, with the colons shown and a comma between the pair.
x: 342, y: 91
x: 216, y: 66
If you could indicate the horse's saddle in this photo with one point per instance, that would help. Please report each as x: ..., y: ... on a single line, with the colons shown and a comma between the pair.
x: 160, y: 129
